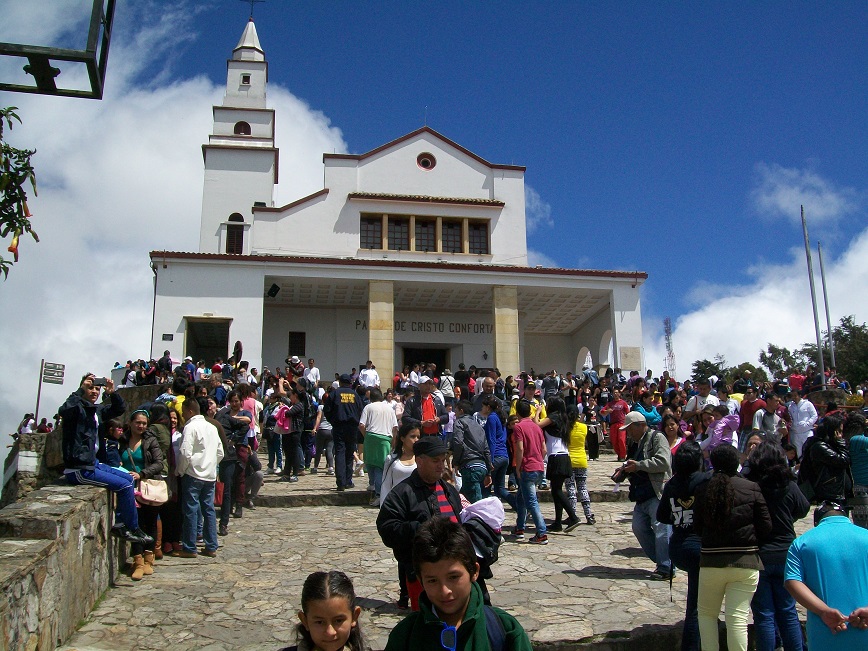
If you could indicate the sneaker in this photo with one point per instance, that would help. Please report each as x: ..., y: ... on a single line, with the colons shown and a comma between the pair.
x: 539, y: 539
x: 571, y: 525
x: 250, y: 505
x: 375, y: 501
x: 592, y: 520
x: 269, y: 470
x: 556, y: 527
x: 330, y: 472
x: 278, y: 470
x: 518, y: 534
x: 543, y: 485
x: 341, y: 489
x: 223, y: 530
x: 313, y: 471
x: 512, y: 488
x: 292, y: 479
x: 659, y: 575
x: 351, y: 485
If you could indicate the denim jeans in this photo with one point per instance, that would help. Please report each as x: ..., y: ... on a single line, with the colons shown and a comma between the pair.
x: 472, y: 478
x: 198, y: 496
x: 526, y: 501
x: 375, y: 477
x: 772, y: 603
x: 294, y: 457
x: 685, y: 556
x: 275, y: 452
x: 498, y: 479
x: 653, y: 536
x: 120, y: 482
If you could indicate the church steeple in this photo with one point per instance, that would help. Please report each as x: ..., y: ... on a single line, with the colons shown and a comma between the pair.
x: 248, y: 48
x: 240, y: 157
x: 247, y: 72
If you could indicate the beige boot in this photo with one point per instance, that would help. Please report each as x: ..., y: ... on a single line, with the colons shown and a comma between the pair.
x: 138, y: 568
x: 149, y: 563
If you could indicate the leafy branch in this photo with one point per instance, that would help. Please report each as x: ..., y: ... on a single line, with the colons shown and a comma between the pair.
x: 15, y: 172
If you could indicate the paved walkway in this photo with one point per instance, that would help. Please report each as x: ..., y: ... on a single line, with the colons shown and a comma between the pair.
x: 590, y: 587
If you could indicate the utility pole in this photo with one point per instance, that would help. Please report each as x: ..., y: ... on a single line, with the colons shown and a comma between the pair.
x: 821, y: 366
x: 826, y: 301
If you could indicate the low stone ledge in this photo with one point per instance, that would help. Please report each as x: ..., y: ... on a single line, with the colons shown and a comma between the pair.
x: 55, y: 557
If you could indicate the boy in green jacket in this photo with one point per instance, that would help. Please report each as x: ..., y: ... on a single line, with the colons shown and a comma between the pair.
x: 452, y: 615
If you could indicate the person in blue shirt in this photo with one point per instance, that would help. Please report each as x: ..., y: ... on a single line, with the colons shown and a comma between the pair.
x: 827, y: 573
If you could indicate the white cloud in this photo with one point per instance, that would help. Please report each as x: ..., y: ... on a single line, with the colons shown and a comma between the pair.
x: 779, y: 191
x: 538, y: 213
x: 776, y: 308
x: 117, y: 179
x: 538, y: 259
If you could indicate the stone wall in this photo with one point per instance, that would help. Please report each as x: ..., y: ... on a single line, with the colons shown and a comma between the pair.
x: 56, y: 560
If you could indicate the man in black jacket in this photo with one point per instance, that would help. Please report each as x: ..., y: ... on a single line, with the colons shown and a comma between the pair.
x: 343, y: 409
x: 82, y: 418
x: 425, y: 410
x: 417, y: 499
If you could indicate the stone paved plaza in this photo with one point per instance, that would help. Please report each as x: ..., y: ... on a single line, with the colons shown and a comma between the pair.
x: 586, y: 589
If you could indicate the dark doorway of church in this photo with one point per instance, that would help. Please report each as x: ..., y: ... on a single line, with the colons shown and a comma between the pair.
x: 439, y: 356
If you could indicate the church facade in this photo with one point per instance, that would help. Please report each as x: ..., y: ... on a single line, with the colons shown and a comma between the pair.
x: 414, y: 251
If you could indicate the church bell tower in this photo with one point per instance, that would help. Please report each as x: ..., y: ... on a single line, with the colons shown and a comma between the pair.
x: 241, y: 160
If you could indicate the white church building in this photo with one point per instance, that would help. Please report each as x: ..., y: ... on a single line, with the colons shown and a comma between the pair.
x: 413, y: 251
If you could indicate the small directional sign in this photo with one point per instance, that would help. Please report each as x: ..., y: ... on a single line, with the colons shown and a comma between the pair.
x: 52, y: 373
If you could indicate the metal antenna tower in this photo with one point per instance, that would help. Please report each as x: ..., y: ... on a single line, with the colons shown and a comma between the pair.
x: 669, y: 362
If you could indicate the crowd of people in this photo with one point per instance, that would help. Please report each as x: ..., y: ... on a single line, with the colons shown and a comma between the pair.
x: 718, y: 473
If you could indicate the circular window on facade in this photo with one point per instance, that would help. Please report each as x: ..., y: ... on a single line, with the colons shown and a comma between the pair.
x: 426, y: 161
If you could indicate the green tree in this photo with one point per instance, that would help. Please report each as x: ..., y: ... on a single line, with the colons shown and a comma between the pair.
x: 757, y: 373
x: 851, y: 352
x: 15, y: 172
x: 778, y: 359
x: 703, y: 368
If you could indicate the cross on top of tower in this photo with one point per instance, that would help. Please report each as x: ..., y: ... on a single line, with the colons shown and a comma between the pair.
x: 252, y: 3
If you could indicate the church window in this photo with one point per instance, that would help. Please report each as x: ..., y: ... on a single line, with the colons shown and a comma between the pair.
x: 462, y: 235
x: 452, y: 237
x: 235, y: 235
x: 297, y: 344
x: 245, y: 80
x: 399, y: 233
x: 426, y: 234
x: 242, y: 129
x: 371, y: 233
x: 479, y: 239
x: 426, y: 161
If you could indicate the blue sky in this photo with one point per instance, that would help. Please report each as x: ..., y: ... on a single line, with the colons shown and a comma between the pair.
x: 674, y: 138
x: 641, y: 126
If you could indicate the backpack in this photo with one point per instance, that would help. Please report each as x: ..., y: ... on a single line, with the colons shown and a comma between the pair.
x: 495, y: 630
x: 309, y: 413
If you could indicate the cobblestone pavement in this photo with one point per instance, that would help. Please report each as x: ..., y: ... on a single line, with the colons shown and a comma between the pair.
x: 590, y: 586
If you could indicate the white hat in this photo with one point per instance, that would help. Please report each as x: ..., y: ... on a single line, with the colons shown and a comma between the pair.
x: 424, y: 379
x: 188, y: 359
x: 633, y: 418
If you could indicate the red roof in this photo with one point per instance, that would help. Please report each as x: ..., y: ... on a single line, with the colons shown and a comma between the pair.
x: 398, y: 264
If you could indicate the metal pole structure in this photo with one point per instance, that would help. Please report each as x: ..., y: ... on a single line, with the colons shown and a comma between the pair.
x: 821, y: 367
x: 826, y: 301
x: 39, y: 391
